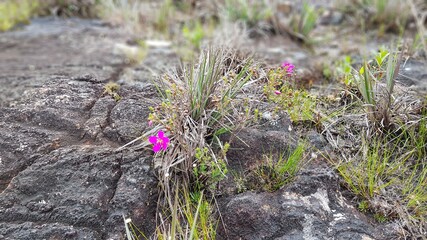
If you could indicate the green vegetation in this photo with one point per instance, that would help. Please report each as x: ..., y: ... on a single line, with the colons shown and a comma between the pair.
x: 193, y: 34
x: 282, y: 90
x: 384, y: 15
x: 248, y: 11
x: 16, y: 12
x: 197, y: 107
x: 377, y: 98
x: 276, y: 173
x: 111, y: 89
x: 163, y: 16
x: 384, y: 161
x: 304, y: 22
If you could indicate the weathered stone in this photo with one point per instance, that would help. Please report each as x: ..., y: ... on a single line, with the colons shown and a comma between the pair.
x: 309, y: 208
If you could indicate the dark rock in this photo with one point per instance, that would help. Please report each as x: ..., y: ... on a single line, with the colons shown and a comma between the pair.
x: 309, y: 208
x: 60, y: 176
x: 249, y: 146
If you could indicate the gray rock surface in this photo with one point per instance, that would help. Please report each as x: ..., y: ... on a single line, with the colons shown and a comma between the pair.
x: 310, y: 208
x: 60, y: 177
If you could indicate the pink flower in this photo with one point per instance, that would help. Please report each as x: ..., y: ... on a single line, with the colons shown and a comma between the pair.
x: 289, y: 67
x: 159, y: 142
x: 150, y: 123
x: 277, y: 92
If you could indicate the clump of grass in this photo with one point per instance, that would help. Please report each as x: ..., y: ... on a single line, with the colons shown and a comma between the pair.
x: 16, y: 12
x: 385, y: 15
x: 389, y: 175
x: 247, y: 11
x: 376, y: 97
x: 420, y: 19
x: 191, y: 217
x: 197, y: 105
x: 275, y: 173
x: 375, y: 170
x: 126, y: 13
x: 385, y: 168
x: 194, y: 34
x: 303, y: 23
x: 163, y: 16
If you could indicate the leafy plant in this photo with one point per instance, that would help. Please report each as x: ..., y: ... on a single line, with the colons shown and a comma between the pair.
x: 343, y: 70
x: 281, y: 89
x: 208, y: 172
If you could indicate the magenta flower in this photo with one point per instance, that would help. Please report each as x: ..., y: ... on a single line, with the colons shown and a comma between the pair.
x: 159, y: 142
x: 277, y: 92
x: 289, y: 67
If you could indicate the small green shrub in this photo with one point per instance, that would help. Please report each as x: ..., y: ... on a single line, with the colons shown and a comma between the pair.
x: 281, y: 89
x: 208, y: 171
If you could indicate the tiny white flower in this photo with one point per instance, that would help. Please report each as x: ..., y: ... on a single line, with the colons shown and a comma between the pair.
x: 166, y: 174
x: 290, y: 128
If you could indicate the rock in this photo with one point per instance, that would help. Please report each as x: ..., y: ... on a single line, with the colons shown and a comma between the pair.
x: 60, y: 176
x: 331, y: 18
x: 56, y: 174
x: 309, y: 208
x: 250, y: 145
x: 413, y: 73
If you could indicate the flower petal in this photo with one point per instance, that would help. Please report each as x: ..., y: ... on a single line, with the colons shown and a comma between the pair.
x: 165, y: 139
x: 161, y: 134
x: 152, y: 139
x: 164, y: 145
x: 156, y: 147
